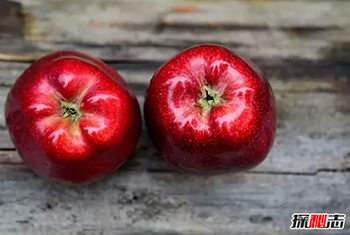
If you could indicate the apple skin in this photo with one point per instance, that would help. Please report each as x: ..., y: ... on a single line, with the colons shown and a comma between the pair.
x: 93, y: 139
x: 209, y: 111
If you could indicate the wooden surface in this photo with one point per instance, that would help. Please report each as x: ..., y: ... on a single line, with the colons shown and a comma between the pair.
x: 302, y: 47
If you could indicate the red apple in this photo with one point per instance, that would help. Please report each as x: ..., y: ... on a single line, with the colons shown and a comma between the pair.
x: 208, y: 110
x: 72, y: 118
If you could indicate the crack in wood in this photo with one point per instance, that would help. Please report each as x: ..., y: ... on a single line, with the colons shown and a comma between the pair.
x: 195, y: 27
x: 125, y: 168
x: 259, y: 172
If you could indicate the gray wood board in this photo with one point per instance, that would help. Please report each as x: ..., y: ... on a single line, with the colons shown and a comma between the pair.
x: 143, y: 202
x: 313, y: 116
x: 267, y: 44
x: 301, y: 46
x: 261, y: 29
x: 121, y: 14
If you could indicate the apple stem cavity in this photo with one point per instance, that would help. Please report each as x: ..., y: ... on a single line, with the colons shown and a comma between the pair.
x: 71, y: 111
x: 209, y: 98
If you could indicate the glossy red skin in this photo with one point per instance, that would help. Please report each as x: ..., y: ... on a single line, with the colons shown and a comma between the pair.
x: 56, y: 148
x: 236, y: 135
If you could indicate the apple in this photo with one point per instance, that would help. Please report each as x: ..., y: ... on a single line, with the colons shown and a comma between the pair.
x: 72, y: 118
x: 210, y: 111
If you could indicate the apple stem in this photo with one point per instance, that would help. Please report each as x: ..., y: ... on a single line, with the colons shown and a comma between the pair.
x: 71, y: 110
x: 209, y: 98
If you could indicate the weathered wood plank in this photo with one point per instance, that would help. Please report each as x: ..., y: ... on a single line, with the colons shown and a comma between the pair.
x: 326, y: 75
x: 329, y: 71
x: 306, y: 113
x: 313, y: 115
x: 269, y: 29
x: 315, y: 140
x: 291, y: 153
x: 332, y: 50
x: 241, y: 14
x: 3, y: 96
x: 311, y: 97
x: 306, y: 59
x: 117, y: 51
x: 129, y: 14
x: 142, y: 202
x: 5, y: 140
x: 307, y: 140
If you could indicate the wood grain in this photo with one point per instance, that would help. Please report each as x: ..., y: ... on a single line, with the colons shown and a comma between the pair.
x: 258, y: 29
x: 292, y: 153
x: 141, y: 202
x: 302, y: 47
x: 313, y: 114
